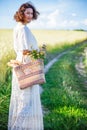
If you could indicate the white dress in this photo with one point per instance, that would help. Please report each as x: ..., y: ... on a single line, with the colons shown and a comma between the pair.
x: 25, y: 112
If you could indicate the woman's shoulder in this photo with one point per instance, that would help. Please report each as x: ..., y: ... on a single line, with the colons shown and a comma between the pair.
x: 20, y: 28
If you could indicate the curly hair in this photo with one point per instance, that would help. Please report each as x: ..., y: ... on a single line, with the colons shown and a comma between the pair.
x: 19, y: 15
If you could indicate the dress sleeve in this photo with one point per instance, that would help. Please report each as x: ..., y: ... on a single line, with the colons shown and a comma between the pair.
x: 21, y: 39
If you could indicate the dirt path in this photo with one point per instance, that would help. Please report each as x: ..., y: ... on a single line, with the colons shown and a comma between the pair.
x: 48, y: 66
x: 82, y: 73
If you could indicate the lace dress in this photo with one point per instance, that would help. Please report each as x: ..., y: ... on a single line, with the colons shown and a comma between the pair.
x: 25, y: 112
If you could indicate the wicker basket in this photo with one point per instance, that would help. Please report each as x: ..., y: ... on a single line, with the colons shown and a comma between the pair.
x: 30, y: 74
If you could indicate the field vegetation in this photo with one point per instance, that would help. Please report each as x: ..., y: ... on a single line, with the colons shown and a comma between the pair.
x: 64, y: 99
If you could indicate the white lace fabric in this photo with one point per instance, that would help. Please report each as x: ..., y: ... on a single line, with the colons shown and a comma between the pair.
x: 25, y: 112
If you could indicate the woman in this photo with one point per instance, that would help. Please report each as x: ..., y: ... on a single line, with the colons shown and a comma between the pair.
x: 25, y: 111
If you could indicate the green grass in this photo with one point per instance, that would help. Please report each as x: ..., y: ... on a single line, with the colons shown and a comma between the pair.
x: 5, y: 90
x: 64, y: 103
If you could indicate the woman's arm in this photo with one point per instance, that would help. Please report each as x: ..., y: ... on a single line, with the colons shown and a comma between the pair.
x: 25, y: 52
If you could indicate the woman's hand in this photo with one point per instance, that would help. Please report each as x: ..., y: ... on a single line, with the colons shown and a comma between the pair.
x: 26, y: 52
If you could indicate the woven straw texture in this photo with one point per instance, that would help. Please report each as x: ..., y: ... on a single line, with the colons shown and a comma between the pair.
x: 30, y: 74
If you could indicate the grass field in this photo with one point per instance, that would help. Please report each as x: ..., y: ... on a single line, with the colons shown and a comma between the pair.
x: 49, y: 37
x: 65, y: 94
x: 56, y: 41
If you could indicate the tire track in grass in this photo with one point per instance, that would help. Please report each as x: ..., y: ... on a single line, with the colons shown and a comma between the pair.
x: 49, y: 65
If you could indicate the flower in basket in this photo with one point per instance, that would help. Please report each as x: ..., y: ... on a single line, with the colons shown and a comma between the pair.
x: 41, y: 54
x: 34, y: 54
